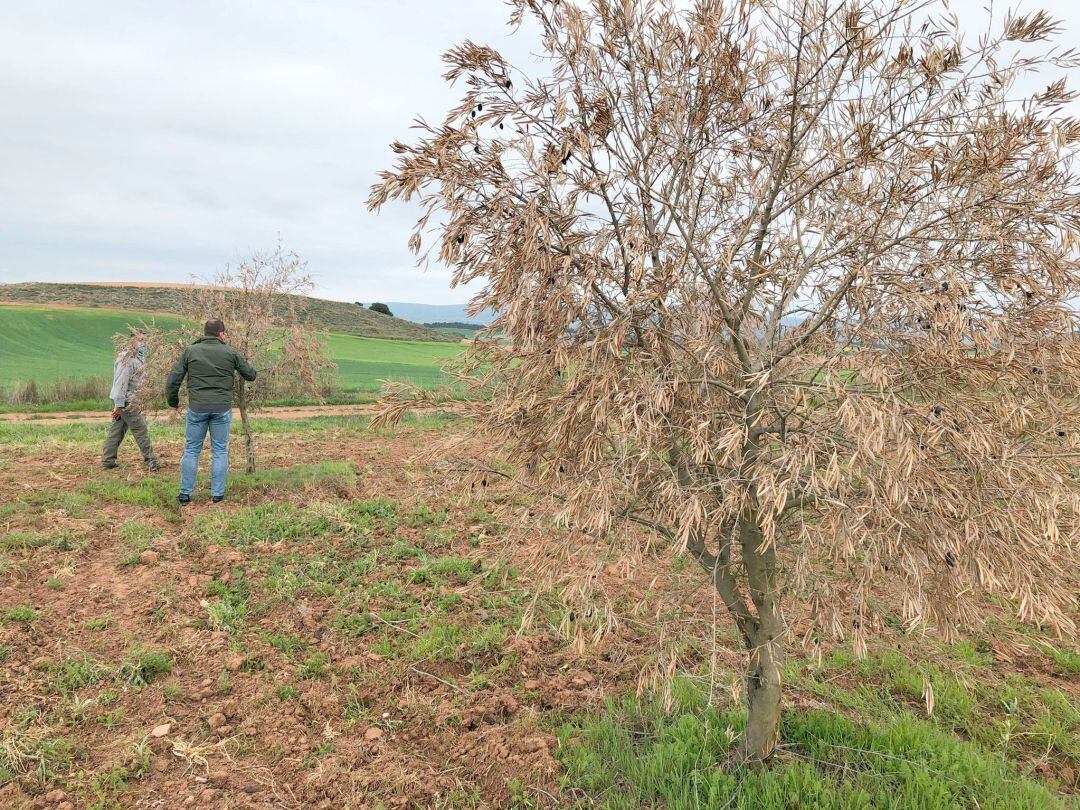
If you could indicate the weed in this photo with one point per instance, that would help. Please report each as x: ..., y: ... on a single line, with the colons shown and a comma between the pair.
x: 1066, y: 662
x: 33, y: 752
x: 440, y: 643
x: 77, y: 673
x: 637, y: 754
x: 141, y: 667
x: 23, y: 614
x: 288, y: 644
x: 316, y: 665
x: 456, y: 570
x: 135, y: 538
x: 286, y: 691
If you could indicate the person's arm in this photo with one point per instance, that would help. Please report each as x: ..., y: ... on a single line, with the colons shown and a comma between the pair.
x: 245, y: 368
x: 176, y: 376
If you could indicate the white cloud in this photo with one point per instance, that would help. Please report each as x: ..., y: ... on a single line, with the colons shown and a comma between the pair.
x: 154, y: 141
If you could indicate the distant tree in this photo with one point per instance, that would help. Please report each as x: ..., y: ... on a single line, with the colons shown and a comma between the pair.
x: 358, y: 303
x: 646, y: 216
x: 260, y: 302
x: 382, y: 309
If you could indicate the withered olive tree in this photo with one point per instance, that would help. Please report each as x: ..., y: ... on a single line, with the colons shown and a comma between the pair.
x: 261, y: 302
x: 787, y: 282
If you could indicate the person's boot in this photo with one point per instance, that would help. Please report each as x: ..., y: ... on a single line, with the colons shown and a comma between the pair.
x: 183, y: 499
x: 109, y: 465
x: 217, y: 498
x: 152, y: 465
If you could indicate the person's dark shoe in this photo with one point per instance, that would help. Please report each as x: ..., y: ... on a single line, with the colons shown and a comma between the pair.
x: 183, y: 499
x: 153, y: 466
x: 109, y: 466
x: 218, y: 498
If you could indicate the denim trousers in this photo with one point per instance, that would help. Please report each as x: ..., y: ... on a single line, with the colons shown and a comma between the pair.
x: 198, y: 424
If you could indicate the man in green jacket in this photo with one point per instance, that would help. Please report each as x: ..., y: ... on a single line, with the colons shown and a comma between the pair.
x: 209, y: 365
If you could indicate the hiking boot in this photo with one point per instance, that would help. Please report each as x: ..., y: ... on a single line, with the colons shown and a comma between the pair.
x: 183, y: 499
x: 218, y: 498
x: 153, y: 466
x: 112, y: 466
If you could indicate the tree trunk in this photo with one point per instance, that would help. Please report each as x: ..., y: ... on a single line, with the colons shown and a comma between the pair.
x: 764, y: 688
x: 763, y: 700
x: 249, y: 437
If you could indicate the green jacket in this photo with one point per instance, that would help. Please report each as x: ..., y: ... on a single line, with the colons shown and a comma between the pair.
x: 209, y: 365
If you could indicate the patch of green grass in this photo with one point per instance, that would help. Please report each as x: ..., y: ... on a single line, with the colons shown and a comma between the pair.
x: 135, y: 538
x: 1010, y: 716
x: 635, y: 754
x: 423, y: 515
x: 323, y: 472
x: 229, y: 611
x: 77, y: 672
x: 22, y: 614
x: 1066, y: 662
x: 64, y: 540
x: 156, y: 493
x: 288, y: 644
x: 316, y: 665
x: 441, y: 642
x: 142, y: 667
x: 456, y: 570
x: 265, y: 523
x: 286, y: 691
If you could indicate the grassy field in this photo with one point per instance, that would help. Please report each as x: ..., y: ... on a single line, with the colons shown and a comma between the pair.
x: 339, y: 317
x: 353, y: 627
x: 48, y: 344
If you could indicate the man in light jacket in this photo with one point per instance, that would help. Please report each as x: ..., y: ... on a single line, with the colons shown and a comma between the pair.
x: 127, y: 374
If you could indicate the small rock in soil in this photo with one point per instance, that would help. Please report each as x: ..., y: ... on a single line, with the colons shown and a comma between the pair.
x: 373, y: 733
x: 162, y: 730
x: 216, y: 720
x: 149, y: 557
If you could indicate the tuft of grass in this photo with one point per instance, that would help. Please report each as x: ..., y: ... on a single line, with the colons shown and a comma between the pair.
x: 64, y: 540
x: 230, y: 609
x: 316, y: 665
x: 288, y: 644
x: 457, y: 570
x: 77, y: 672
x: 142, y: 667
x: 1066, y: 662
x: 636, y: 754
x: 266, y: 523
x: 21, y: 614
x: 135, y: 538
x: 32, y: 752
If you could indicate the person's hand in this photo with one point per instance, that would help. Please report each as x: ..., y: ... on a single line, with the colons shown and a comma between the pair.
x: 116, y: 412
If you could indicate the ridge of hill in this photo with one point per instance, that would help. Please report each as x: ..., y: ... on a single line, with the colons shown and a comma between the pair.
x: 329, y: 316
x: 426, y: 313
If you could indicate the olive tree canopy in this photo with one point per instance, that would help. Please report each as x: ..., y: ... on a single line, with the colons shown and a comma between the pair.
x: 787, y: 282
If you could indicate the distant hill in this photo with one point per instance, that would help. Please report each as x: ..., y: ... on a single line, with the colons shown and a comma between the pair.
x: 330, y: 316
x: 429, y: 313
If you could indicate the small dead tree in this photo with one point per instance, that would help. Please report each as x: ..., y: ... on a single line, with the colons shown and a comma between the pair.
x: 260, y: 302
x: 789, y: 283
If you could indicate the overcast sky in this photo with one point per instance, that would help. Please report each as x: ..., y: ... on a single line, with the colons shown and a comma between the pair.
x: 155, y: 141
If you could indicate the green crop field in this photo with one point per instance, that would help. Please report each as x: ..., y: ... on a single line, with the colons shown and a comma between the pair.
x: 47, y: 344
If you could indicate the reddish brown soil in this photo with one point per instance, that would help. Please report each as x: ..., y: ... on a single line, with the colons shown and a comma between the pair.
x: 432, y: 733
x: 428, y: 733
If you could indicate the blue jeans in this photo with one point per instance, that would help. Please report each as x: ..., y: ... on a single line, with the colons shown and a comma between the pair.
x: 197, y: 426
